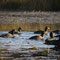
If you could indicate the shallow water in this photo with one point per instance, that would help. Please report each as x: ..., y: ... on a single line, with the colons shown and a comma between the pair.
x: 21, y: 45
x: 23, y: 41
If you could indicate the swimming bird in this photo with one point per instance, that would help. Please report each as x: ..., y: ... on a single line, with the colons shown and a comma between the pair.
x: 9, y: 35
x: 38, y: 37
x: 57, y: 36
x: 40, y: 31
x: 51, y: 36
x: 19, y: 31
x: 56, y: 31
x: 54, y: 42
x: 50, y: 40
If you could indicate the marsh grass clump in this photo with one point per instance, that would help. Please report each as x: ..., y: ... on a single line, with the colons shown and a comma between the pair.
x: 43, y: 53
x: 4, y: 51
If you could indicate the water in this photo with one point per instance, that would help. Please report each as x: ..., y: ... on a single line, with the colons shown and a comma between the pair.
x: 22, y: 41
x: 21, y: 46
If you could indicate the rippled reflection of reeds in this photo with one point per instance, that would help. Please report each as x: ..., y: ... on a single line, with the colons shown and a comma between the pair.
x: 28, y: 27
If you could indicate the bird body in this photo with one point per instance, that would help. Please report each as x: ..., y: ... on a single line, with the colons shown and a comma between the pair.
x: 40, y: 31
x: 9, y: 35
x: 57, y: 36
x: 50, y: 40
x: 37, y: 37
x: 56, y: 31
x: 51, y: 36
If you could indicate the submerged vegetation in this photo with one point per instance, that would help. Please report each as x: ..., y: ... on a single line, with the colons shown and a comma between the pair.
x: 30, y: 5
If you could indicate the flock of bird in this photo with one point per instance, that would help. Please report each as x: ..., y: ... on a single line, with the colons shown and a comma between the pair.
x: 11, y: 33
x: 51, y: 40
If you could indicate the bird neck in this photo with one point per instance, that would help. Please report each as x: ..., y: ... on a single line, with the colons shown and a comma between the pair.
x: 12, y: 32
x: 51, y: 35
x: 19, y: 30
x: 42, y: 35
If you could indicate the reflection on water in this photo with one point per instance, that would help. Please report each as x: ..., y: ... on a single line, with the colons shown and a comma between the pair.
x: 24, y: 49
x: 28, y: 27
